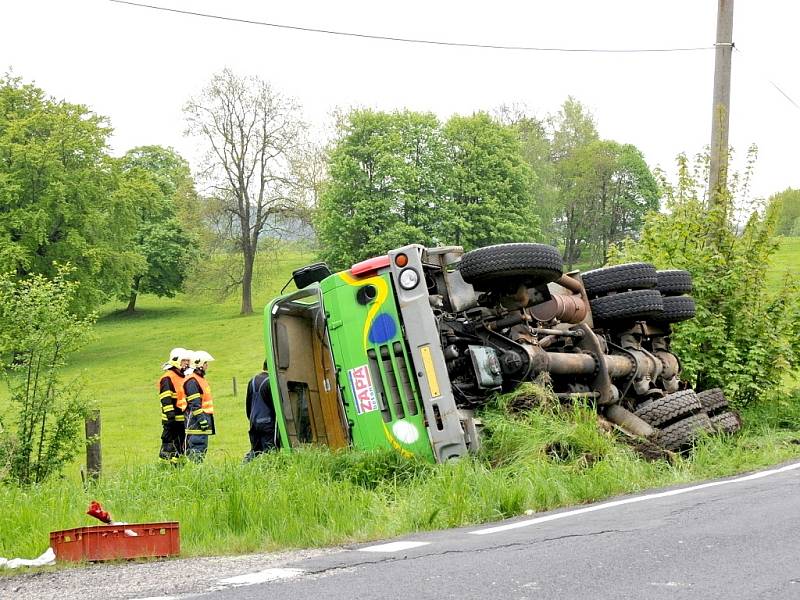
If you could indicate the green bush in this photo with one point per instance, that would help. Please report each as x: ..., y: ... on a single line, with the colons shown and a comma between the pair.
x: 37, y: 333
x: 745, y: 336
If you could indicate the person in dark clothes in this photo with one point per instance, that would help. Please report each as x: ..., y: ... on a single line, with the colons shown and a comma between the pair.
x: 261, y: 414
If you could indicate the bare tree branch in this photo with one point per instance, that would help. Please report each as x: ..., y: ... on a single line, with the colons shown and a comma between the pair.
x: 252, y: 133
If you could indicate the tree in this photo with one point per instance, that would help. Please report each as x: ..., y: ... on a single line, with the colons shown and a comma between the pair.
x: 310, y: 167
x: 251, y: 131
x: 57, y: 198
x: 572, y: 127
x: 490, y: 186
x: 38, y: 331
x: 159, y: 181
x: 787, y: 204
x: 404, y: 178
x: 386, y: 182
x: 606, y: 189
x: 536, y: 150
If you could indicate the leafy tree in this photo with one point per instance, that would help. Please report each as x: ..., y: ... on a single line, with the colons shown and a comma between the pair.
x: 787, y: 203
x: 38, y: 331
x: 386, y: 180
x: 572, y: 127
x: 158, y: 181
x: 251, y: 132
x: 746, y: 336
x: 536, y: 150
x: 404, y: 178
x: 56, y: 195
x: 490, y: 196
x: 606, y: 189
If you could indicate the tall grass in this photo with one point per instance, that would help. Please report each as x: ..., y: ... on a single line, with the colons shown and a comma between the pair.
x: 547, y: 457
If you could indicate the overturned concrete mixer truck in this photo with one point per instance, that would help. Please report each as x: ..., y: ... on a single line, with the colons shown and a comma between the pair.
x: 400, y: 350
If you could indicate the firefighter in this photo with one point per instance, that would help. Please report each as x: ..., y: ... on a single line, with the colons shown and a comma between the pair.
x: 199, y: 407
x: 261, y: 414
x: 170, y: 393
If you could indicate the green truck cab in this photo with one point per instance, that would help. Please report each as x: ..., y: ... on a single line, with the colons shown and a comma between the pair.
x: 399, y: 351
x: 357, y: 361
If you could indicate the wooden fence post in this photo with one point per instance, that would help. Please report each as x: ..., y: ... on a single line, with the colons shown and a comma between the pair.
x: 94, y: 456
x: 234, y: 387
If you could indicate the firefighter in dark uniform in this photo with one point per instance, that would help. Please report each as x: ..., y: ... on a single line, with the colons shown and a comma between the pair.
x: 170, y: 393
x: 261, y: 414
x: 199, y: 407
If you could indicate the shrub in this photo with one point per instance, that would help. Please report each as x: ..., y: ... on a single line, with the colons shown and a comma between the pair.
x: 745, y: 336
x: 37, y: 333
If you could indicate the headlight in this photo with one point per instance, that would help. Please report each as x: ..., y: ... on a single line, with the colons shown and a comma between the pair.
x: 409, y: 279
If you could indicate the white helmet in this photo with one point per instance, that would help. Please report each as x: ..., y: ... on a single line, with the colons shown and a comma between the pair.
x: 176, y: 355
x: 199, y: 358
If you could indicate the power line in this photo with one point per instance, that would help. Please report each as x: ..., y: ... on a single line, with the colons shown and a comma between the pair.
x: 407, y: 40
x: 770, y: 81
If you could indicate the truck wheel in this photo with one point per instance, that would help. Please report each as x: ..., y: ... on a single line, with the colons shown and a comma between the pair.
x: 726, y: 422
x: 522, y: 263
x: 634, y: 305
x: 713, y: 401
x: 674, y: 282
x: 676, y: 309
x: 671, y: 408
x: 681, y: 435
x: 619, y: 278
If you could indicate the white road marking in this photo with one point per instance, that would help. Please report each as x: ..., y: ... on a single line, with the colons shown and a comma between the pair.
x: 262, y: 576
x: 588, y: 509
x: 393, y: 546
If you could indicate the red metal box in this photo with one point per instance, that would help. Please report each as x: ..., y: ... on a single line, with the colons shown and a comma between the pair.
x: 111, y: 542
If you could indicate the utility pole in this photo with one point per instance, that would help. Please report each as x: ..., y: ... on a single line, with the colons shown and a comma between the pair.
x: 720, y: 114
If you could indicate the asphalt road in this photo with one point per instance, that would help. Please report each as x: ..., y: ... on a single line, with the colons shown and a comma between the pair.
x: 735, y: 538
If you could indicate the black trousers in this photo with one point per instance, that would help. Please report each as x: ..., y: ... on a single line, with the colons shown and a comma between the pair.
x: 173, y: 440
x: 262, y: 439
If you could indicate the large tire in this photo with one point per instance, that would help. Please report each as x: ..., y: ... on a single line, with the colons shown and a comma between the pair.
x: 674, y: 282
x: 726, y: 422
x: 634, y: 305
x: 681, y: 435
x: 713, y: 401
x: 619, y: 278
x: 671, y: 408
x: 676, y: 309
x: 513, y: 264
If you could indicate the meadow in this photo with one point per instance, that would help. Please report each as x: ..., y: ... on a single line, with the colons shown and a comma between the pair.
x: 785, y: 262
x: 121, y: 366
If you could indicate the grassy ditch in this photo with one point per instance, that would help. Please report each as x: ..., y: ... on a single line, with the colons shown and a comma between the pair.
x: 550, y: 456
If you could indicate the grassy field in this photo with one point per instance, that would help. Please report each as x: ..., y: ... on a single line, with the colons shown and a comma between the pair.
x: 786, y: 261
x: 121, y: 366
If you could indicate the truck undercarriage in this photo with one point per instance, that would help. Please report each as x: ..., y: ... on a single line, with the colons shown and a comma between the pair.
x: 440, y: 331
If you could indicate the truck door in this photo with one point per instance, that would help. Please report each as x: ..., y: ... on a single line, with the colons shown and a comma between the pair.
x: 303, y: 379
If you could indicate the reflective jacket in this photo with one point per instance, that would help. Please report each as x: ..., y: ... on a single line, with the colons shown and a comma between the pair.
x: 198, y: 395
x: 170, y: 392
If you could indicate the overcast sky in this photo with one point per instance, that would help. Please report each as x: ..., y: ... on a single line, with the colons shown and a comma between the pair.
x: 138, y: 66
